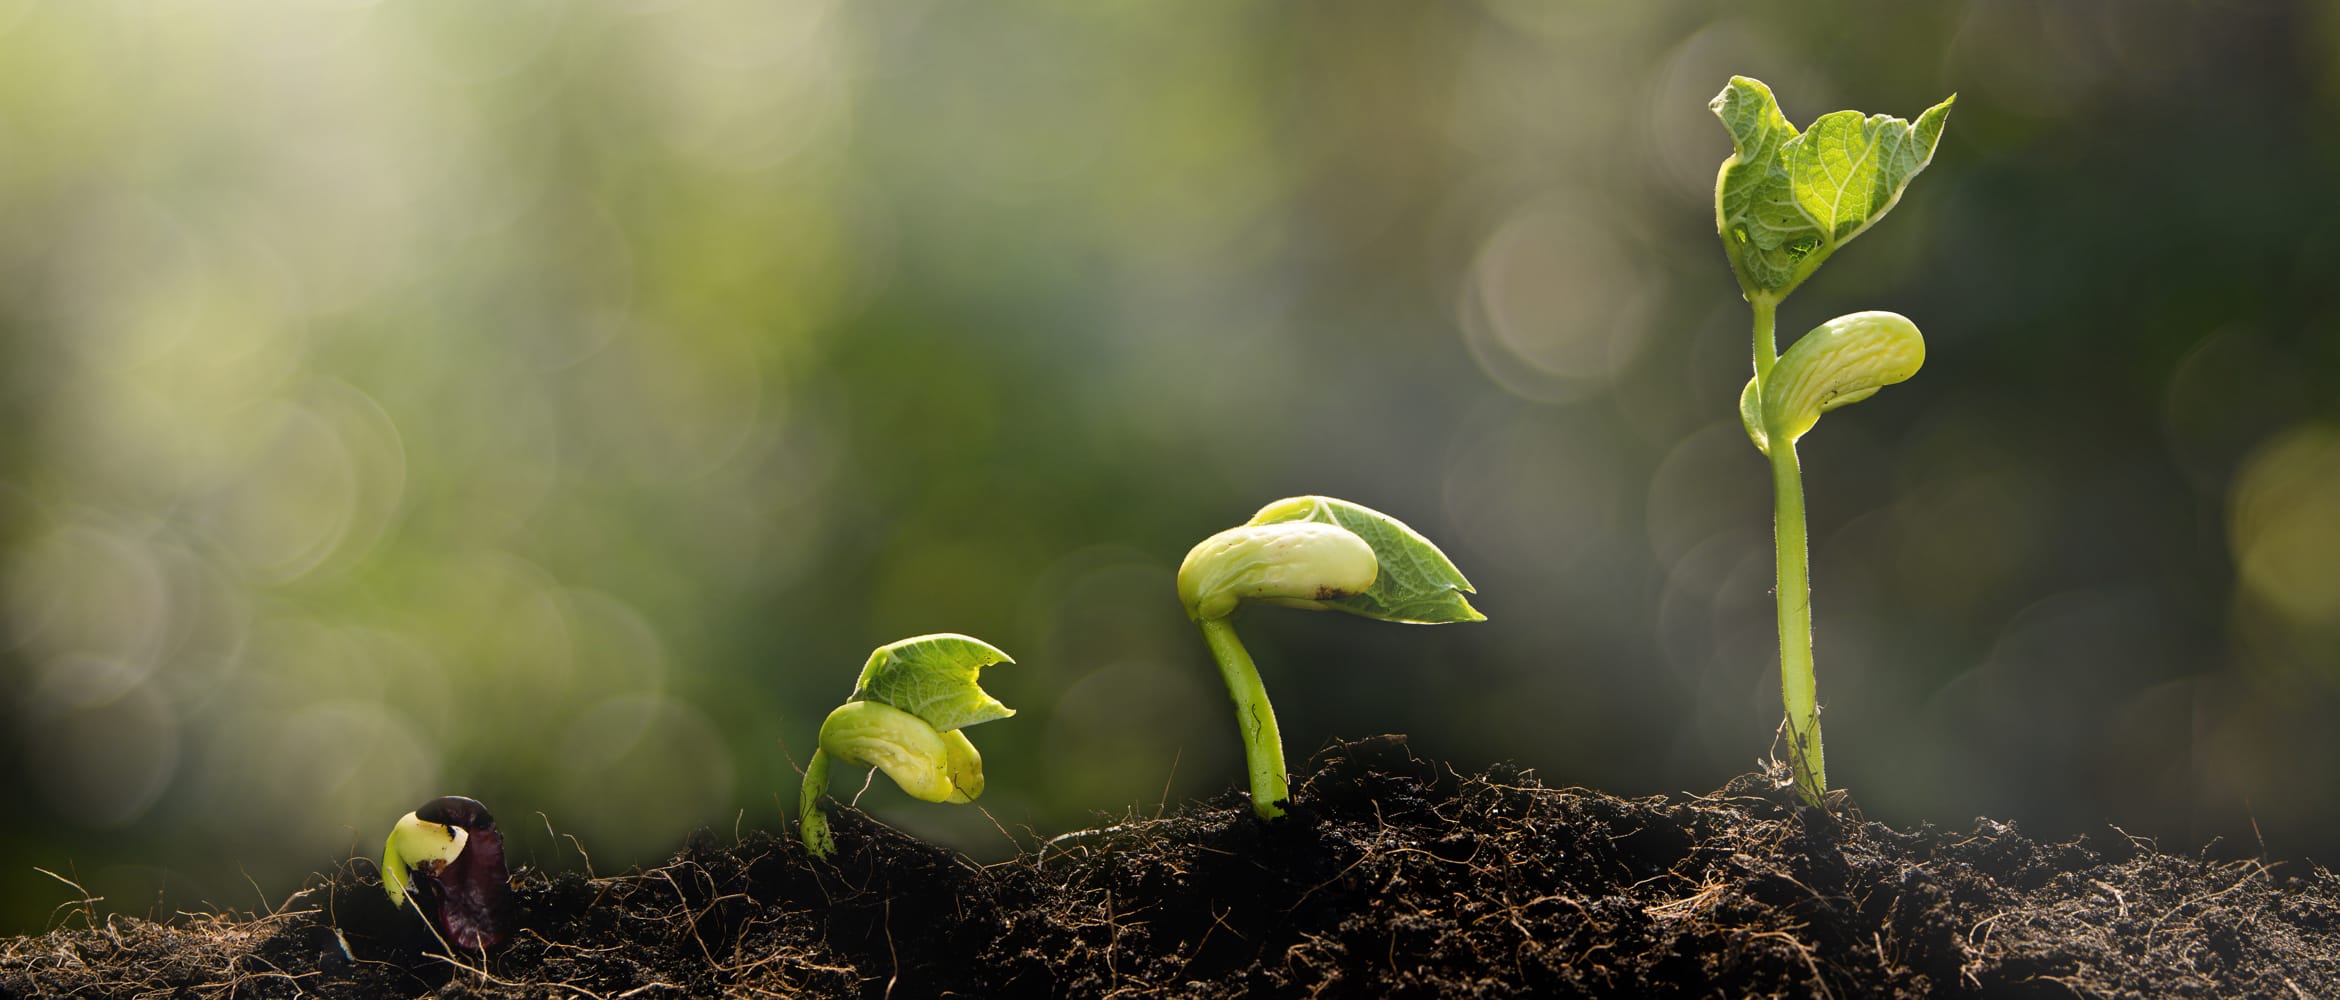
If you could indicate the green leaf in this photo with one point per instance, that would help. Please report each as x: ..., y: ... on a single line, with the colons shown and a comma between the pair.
x: 1785, y: 201
x: 1848, y: 171
x: 1754, y: 206
x: 934, y: 678
x: 1839, y: 363
x: 1417, y: 583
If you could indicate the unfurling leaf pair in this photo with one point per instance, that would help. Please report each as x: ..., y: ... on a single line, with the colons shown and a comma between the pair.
x: 1319, y: 554
x: 1784, y: 202
x: 904, y: 718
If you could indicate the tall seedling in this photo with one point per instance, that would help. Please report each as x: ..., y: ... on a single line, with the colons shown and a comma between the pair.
x: 1785, y: 202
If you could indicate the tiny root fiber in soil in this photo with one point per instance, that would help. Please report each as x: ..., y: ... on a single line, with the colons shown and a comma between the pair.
x: 1393, y: 876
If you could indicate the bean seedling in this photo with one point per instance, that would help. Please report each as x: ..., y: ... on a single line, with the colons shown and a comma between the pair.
x: 1320, y: 554
x: 904, y: 719
x: 1784, y: 202
x: 449, y: 855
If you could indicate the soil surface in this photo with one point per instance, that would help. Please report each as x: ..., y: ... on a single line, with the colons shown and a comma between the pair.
x: 1393, y: 877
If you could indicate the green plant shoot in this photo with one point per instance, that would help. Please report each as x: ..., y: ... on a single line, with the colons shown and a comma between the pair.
x: 1786, y: 201
x: 1319, y: 554
x: 904, y: 718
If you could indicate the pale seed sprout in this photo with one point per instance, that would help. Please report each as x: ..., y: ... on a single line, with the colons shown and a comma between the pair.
x: 449, y: 856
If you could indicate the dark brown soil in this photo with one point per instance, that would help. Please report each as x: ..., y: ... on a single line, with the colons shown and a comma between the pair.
x: 1397, y: 878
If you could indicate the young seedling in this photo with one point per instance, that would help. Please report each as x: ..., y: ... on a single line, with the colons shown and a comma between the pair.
x: 904, y: 719
x: 1320, y: 554
x: 1784, y: 203
x: 450, y: 857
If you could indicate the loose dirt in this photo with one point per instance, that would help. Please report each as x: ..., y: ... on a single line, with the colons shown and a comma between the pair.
x: 1393, y: 877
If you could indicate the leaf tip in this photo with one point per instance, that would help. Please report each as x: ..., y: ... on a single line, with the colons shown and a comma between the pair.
x: 1732, y: 89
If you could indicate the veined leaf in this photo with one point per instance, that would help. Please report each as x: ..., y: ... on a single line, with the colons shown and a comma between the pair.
x: 1754, y: 206
x: 1786, y: 200
x: 934, y: 678
x: 1417, y: 583
x: 1848, y: 171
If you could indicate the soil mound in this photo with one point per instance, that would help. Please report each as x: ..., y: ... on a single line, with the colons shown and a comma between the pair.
x: 1393, y: 877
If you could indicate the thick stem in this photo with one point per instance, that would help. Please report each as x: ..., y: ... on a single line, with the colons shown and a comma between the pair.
x: 1766, y: 310
x: 1263, y: 744
x: 812, y: 824
x: 1796, y: 683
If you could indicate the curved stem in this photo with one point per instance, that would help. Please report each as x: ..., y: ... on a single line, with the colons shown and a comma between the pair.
x: 1797, y: 688
x: 812, y: 824
x: 1263, y: 744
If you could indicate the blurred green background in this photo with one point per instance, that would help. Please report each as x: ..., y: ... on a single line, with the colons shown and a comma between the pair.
x: 554, y: 403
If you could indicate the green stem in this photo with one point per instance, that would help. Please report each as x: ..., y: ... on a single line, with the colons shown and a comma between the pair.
x: 1263, y: 744
x: 812, y: 824
x: 1796, y: 683
x: 1798, y: 689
